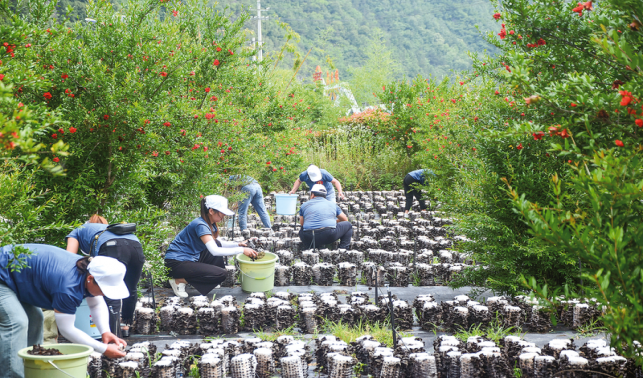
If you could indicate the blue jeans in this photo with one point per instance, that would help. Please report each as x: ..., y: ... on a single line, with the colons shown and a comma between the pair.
x: 254, y: 196
x: 20, y: 326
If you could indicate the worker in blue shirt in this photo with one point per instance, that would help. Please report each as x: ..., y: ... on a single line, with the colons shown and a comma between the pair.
x: 323, y: 222
x: 55, y: 280
x: 313, y: 175
x: 196, y: 255
x: 412, y: 179
x: 253, y: 195
x: 93, y: 239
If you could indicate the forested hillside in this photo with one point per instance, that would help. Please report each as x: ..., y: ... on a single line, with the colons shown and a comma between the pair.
x: 425, y: 37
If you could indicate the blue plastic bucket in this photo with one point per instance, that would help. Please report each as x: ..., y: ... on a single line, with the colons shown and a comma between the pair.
x: 84, y: 321
x: 286, y: 204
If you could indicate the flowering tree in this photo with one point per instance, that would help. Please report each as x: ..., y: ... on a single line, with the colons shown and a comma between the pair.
x: 141, y: 112
x: 576, y: 70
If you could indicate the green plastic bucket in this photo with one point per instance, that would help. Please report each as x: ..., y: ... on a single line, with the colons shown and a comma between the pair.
x: 73, y: 362
x: 257, y: 275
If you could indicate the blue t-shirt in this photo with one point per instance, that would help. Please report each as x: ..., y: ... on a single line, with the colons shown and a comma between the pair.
x: 86, y: 233
x: 187, y: 245
x: 421, y: 174
x: 319, y: 212
x: 51, y: 281
x: 242, y: 180
x: 326, y: 179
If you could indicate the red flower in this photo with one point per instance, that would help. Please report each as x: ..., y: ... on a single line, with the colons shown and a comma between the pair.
x: 175, y: 13
x: 496, y: 92
x: 216, y: 62
x: 207, y: 90
x: 167, y: 152
x: 625, y: 101
x: 47, y: 95
x: 214, y: 98
x: 105, y: 117
x: 230, y: 52
x: 55, y: 136
x: 639, y: 122
x: 618, y: 143
x: 72, y: 129
x: 539, y: 135
x: 164, y: 74
x: 167, y: 124
x: 574, y: 105
x: 229, y: 148
x: 1, y: 77
x: 503, y: 32
x: 268, y: 162
x: 564, y: 134
x: 274, y: 169
x: 155, y: 154
x: 519, y: 147
x: 218, y: 48
x: 61, y: 130
x: 497, y: 15
x: 579, y: 9
x: 56, y: 160
x: 588, y: 5
x: 64, y: 76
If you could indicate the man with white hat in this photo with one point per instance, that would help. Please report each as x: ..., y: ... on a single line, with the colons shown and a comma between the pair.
x: 314, y: 175
x: 55, y: 280
x: 323, y: 222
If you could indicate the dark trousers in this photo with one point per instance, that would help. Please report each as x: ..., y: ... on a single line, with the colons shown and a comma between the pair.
x: 130, y: 253
x: 343, y: 232
x: 204, y: 275
x: 411, y: 192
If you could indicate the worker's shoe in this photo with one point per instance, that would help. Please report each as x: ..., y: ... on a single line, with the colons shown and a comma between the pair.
x: 179, y: 289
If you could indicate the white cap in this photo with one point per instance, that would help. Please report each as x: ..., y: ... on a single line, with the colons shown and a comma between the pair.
x: 314, y: 173
x: 108, y: 274
x: 319, y: 189
x: 218, y: 203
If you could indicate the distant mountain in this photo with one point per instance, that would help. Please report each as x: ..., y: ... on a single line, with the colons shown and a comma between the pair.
x: 426, y: 37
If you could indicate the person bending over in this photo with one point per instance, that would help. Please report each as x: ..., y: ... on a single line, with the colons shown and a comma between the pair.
x: 323, y: 222
x: 253, y: 195
x: 196, y: 255
x: 55, y: 280
x: 313, y: 175
x: 410, y: 190
x: 93, y: 239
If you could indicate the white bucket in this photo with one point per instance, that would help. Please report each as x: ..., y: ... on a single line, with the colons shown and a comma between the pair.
x: 286, y: 204
x: 84, y: 321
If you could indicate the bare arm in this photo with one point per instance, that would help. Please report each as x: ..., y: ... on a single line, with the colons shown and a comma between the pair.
x: 338, y: 185
x: 72, y: 245
x: 301, y: 221
x: 295, y: 186
x: 342, y: 217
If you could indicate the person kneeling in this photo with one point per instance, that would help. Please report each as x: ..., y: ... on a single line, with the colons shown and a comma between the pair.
x: 323, y: 222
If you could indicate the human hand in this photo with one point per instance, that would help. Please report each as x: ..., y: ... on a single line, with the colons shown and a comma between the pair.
x: 291, y: 192
x: 109, y: 338
x: 250, y: 253
x: 113, y: 351
x: 243, y: 244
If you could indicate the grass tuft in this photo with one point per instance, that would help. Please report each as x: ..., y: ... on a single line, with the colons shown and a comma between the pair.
x: 381, y: 332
